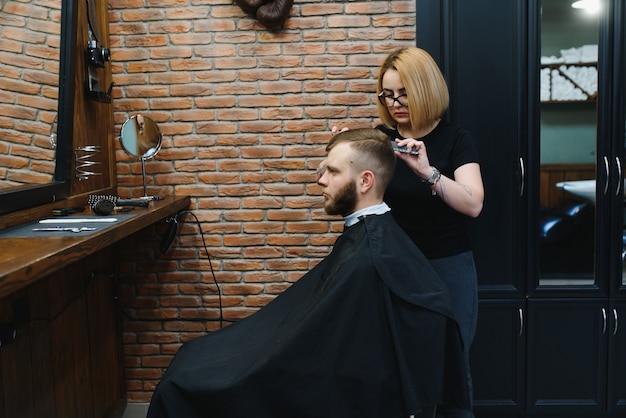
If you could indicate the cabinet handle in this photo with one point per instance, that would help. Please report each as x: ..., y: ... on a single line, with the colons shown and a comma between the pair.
x: 603, y: 321
x: 606, y: 170
x: 522, y: 170
x: 521, y: 321
x: 615, y: 317
x: 618, y: 189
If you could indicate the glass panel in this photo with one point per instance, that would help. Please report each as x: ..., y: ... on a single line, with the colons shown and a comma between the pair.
x: 569, y: 39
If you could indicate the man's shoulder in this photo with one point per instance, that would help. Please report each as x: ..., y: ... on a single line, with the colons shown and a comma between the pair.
x: 403, y: 267
x: 385, y: 236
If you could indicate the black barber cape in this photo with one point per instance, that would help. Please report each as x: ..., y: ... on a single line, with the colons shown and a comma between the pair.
x: 366, y: 333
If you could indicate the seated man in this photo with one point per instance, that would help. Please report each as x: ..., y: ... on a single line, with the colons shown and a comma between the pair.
x: 366, y: 333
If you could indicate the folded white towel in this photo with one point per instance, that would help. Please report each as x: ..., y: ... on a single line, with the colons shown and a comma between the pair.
x: 585, y: 77
x: 589, y: 53
x: 552, y: 60
x: 565, y: 90
x: 571, y: 55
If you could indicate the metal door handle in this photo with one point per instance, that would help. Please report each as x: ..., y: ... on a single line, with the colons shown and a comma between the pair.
x: 603, y: 321
x: 619, y: 176
x: 521, y: 321
x: 522, y: 176
x: 608, y: 174
x: 616, y: 322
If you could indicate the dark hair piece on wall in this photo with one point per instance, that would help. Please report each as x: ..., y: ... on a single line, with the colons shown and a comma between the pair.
x: 249, y: 6
x: 271, y: 14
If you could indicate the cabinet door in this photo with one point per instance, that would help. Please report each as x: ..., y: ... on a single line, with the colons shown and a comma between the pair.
x: 498, y: 354
x: 480, y: 46
x: 567, y: 355
x: 615, y: 83
x: 569, y: 144
x: 617, y: 358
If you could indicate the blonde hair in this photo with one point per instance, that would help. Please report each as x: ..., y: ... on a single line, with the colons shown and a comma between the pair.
x: 372, y: 151
x: 426, y: 88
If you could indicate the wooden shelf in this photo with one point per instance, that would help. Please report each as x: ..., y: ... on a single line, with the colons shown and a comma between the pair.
x: 570, y: 64
x: 591, y: 100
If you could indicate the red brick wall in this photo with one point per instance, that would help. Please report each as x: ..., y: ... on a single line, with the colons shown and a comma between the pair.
x: 245, y: 114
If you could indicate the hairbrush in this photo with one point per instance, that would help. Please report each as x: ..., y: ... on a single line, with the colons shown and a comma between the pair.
x: 105, y: 204
x: 102, y: 207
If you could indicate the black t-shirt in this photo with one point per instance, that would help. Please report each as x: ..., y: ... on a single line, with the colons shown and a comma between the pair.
x: 436, y: 228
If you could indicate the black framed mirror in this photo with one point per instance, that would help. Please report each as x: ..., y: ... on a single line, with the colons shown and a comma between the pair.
x: 22, y: 196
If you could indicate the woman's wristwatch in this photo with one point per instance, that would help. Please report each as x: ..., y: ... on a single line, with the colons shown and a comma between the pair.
x: 434, y: 178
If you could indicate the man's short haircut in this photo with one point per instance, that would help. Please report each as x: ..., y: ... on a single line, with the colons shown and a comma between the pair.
x: 373, y: 151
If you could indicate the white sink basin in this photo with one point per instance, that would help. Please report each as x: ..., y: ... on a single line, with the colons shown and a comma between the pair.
x: 584, y: 188
x: 581, y: 188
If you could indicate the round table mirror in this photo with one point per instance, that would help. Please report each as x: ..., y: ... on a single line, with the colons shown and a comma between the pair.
x: 140, y: 137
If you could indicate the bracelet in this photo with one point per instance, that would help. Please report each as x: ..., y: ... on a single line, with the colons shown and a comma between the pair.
x: 434, y: 178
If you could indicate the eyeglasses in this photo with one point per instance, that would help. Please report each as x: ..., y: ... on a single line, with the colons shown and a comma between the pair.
x: 389, y: 100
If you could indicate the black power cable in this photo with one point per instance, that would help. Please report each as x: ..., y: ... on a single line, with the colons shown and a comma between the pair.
x: 168, y: 239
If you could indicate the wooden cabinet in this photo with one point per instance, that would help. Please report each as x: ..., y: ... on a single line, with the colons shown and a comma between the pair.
x: 617, y: 358
x: 567, y: 355
x: 548, y: 356
x: 61, y: 347
x: 583, y: 371
x: 543, y: 348
x: 66, y: 356
x: 498, y: 356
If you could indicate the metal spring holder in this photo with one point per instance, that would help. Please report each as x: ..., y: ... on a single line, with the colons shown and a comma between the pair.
x: 86, y: 166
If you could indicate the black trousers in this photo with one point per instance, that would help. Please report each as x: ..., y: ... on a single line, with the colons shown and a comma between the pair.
x: 426, y: 413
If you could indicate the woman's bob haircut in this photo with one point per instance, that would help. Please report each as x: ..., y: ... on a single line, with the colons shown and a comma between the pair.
x: 425, y: 87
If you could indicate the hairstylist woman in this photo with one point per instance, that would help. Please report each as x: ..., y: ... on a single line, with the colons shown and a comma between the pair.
x: 434, y: 193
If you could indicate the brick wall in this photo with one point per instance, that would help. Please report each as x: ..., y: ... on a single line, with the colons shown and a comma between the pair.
x: 245, y: 114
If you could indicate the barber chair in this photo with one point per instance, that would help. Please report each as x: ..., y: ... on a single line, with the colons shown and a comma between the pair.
x: 566, y: 236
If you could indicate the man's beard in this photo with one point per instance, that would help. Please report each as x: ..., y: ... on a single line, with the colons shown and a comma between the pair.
x: 344, y: 202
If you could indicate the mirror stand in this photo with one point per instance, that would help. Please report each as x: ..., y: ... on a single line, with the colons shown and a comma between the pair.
x: 145, y: 185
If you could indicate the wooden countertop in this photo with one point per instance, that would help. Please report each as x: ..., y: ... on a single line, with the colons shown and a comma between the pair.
x: 23, y: 261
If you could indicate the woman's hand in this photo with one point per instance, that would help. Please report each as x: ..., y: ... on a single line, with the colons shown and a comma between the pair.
x: 336, y: 130
x: 464, y: 192
x: 418, y: 163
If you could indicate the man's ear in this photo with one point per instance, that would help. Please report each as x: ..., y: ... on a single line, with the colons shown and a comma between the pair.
x: 366, y: 181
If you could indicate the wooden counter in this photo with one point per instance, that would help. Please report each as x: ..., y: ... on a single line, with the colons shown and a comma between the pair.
x: 61, y: 349
x: 25, y: 260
